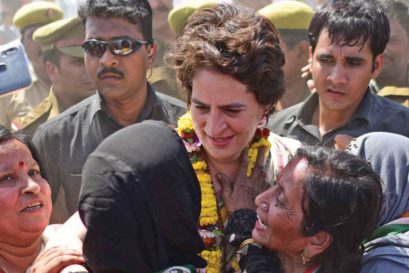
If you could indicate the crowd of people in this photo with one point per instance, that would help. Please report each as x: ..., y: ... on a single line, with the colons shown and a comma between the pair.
x: 207, y: 136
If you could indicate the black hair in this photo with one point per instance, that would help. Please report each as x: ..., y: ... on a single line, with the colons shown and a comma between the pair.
x: 342, y: 196
x: 53, y: 56
x: 137, y: 12
x: 352, y: 22
x: 7, y: 135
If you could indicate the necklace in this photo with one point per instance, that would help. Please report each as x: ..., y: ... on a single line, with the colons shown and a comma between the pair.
x: 210, y: 221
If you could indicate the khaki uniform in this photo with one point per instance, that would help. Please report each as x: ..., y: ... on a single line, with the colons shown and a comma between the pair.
x: 21, y: 102
x: 44, y: 111
x: 397, y: 94
x: 163, y: 78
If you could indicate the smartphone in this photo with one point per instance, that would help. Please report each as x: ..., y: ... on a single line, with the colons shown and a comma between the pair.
x: 14, y: 71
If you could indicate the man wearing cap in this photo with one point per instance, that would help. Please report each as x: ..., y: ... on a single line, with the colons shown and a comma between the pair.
x: 393, y: 82
x: 163, y: 77
x: 119, y: 51
x: 28, y: 19
x: 64, y: 62
x: 292, y: 18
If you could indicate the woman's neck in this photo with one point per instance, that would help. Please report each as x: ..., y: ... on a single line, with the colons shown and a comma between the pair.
x: 15, y: 258
x: 229, y: 169
x: 292, y: 264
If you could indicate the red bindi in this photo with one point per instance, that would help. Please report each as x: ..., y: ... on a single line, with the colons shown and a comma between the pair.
x: 21, y: 164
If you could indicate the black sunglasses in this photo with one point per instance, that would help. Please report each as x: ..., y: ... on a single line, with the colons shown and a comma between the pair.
x: 119, y: 46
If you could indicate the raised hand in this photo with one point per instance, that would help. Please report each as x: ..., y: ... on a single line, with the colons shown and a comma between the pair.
x: 241, y: 192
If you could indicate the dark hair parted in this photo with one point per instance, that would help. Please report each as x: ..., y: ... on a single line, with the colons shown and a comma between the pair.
x: 342, y: 196
x: 351, y: 23
x: 7, y: 135
x: 232, y: 41
x: 137, y: 12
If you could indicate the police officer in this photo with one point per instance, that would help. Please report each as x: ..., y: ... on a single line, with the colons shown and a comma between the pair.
x: 292, y: 18
x: 28, y: 19
x: 64, y: 61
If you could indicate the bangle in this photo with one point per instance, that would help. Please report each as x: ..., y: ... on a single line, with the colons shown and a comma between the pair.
x: 245, y: 243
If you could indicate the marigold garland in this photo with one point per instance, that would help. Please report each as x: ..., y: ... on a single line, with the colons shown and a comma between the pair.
x: 210, y: 223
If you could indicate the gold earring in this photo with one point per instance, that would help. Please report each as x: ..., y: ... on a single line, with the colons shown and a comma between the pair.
x: 305, y: 256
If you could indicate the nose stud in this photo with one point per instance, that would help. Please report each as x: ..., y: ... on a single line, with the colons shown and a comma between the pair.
x: 264, y: 206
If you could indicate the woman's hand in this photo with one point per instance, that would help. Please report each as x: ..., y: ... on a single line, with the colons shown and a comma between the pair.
x: 306, y: 74
x: 54, y: 259
x: 342, y: 141
x: 241, y: 193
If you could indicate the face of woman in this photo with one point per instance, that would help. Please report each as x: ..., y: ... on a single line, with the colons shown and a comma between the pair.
x: 225, y: 115
x: 25, y: 196
x: 280, y: 213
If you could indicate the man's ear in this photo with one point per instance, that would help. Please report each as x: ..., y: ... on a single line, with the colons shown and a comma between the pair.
x: 152, y: 51
x: 318, y: 243
x: 52, y: 71
x: 377, y: 66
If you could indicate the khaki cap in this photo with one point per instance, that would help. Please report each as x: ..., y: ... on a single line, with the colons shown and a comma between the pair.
x: 178, y: 16
x: 35, y: 13
x: 65, y: 35
x: 288, y: 14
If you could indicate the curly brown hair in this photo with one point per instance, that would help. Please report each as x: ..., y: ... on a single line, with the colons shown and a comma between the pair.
x: 235, y: 42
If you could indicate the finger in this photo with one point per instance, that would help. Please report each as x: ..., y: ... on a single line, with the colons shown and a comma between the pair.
x: 225, y: 183
x: 311, y: 86
x: 244, y: 162
x: 55, y: 253
x: 342, y: 141
x: 260, y: 156
x: 57, y: 263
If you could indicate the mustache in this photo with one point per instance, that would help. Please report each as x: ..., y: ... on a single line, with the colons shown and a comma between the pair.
x: 111, y: 70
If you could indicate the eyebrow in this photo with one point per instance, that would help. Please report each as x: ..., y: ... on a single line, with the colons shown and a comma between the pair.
x: 225, y: 106
x: 111, y: 39
x: 282, y: 189
x: 356, y: 59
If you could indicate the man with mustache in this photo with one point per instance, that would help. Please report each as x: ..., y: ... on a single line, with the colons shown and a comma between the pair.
x: 119, y: 51
x: 347, y: 40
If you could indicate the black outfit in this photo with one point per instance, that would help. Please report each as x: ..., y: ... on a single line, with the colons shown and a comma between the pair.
x: 373, y: 114
x: 140, y: 201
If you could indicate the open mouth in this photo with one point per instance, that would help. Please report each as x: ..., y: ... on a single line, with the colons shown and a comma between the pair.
x: 33, y: 206
x: 260, y: 223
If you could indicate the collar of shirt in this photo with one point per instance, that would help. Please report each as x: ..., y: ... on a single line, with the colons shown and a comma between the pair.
x: 97, y: 105
x: 306, y: 111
